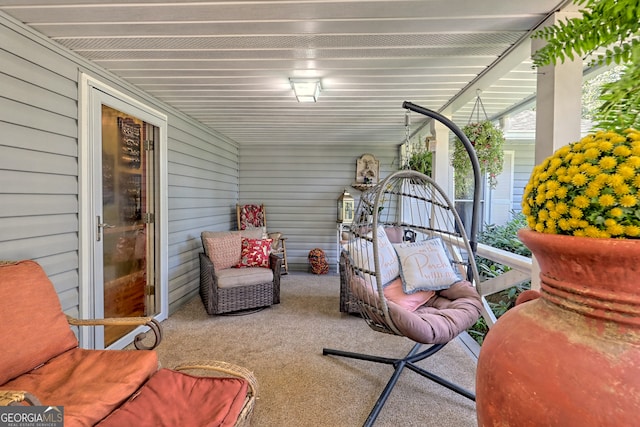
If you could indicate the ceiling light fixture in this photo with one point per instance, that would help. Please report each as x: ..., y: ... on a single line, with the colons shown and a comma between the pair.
x: 306, y: 90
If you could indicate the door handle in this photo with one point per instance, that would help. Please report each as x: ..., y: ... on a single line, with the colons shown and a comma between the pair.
x: 100, y: 226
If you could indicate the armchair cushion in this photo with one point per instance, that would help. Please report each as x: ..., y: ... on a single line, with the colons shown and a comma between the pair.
x: 90, y: 384
x: 234, y: 277
x: 34, y: 328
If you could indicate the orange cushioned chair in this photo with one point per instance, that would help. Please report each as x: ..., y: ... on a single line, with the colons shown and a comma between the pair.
x: 41, y: 363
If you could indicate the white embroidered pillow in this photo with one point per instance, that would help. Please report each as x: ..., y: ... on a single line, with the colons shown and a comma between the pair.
x: 361, y: 251
x: 425, y: 266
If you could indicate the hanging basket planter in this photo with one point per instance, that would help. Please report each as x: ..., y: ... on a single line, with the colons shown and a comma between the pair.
x: 487, y: 140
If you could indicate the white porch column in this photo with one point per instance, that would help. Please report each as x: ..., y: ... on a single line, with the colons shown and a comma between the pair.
x: 558, y: 100
x: 442, y: 170
x: 558, y: 108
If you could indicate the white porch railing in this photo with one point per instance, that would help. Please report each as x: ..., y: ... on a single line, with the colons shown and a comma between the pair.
x: 520, y: 271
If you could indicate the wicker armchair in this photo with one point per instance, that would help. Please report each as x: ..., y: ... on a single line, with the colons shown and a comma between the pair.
x: 225, y: 289
x: 219, y: 300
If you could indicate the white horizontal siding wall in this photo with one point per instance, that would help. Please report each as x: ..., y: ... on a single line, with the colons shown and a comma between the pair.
x: 38, y: 160
x: 39, y: 166
x: 203, y: 189
x: 300, y: 186
x: 522, y: 167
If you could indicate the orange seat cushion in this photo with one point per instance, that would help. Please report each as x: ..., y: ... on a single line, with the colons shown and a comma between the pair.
x: 90, y: 384
x: 173, y: 398
x: 34, y: 328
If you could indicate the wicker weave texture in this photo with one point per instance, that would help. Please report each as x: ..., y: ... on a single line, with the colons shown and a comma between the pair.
x: 224, y: 300
x: 348, y: 302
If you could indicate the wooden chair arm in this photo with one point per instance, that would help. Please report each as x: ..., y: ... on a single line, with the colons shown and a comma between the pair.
x: 152, y: 323
x: 15, y: 398
x: 226, y: 369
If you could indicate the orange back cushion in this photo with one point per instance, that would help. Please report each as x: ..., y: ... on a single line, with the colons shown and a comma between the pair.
x: 33, y: 327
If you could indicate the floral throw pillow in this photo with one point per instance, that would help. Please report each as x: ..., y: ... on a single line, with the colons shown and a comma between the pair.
x: 255, y: 253
x: 251, y: 216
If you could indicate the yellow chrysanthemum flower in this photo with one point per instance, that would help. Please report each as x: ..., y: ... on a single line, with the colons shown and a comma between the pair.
x: 562, y: 208
x: 573, y: 170
x: 615, y: 180
x: 578, y: 159
x: 602, y: 179
x: 561, y: 192
x: 554, y: 163
x: 616, y: 230
x: 622, y: 189
x: 628, y: 200
x: 633, y: 161
x: 575, y: 213
x: 563, y: 151
x: 615, y: 212
x: 626, y: 171
x: 592, y: 190
x: 581, y: 202
x: 591, y: 231
x: 606, y: 200
x: 592, y: 170
x: 605, y: 146
x: 592, y: 154
x: 608, y: 162
x: 573, y: 223
x: 622, y: 151
x: 579, y: 180
x: 632, y: 230
x: 553, y: 185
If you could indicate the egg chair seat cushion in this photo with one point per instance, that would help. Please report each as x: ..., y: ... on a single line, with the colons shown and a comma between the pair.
x: 448, y: 313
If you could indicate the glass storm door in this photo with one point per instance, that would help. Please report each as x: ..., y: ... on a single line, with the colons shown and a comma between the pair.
x: 125, y: 221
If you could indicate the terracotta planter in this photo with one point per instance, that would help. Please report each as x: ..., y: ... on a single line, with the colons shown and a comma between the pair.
x: 571, y: 357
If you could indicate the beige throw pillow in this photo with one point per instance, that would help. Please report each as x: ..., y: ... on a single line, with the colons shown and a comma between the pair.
x: 224, y: 251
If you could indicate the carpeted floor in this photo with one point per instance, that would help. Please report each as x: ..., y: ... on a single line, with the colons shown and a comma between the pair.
x: 298, y: 386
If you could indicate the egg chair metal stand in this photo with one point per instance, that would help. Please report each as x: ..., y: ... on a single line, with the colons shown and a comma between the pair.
x: 409, y: 216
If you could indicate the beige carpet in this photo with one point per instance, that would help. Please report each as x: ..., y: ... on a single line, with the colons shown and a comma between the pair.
x: 298, y: 386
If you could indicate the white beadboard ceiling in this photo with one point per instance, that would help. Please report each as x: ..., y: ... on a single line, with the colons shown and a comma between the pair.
x: 228, y: 63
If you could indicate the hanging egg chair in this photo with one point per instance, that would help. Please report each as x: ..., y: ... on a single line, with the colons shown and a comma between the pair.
x: 409, y: 267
